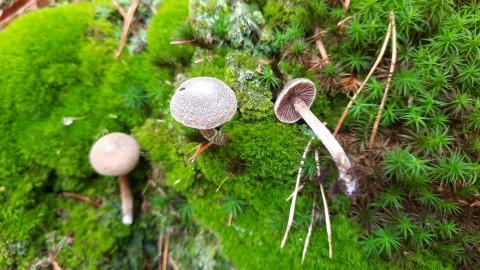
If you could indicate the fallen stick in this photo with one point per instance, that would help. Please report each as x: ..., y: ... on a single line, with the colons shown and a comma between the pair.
x: 294, y: 198
x: 374, y: 67
x: 389, y: 79
x: 126, y: 25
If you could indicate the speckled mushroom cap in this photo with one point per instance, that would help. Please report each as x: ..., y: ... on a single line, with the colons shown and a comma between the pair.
x: 115, y: 154
x: 203, y: 103
x: 301, y: 88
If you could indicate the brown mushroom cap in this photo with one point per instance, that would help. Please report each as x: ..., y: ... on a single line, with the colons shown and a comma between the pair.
x: 301, y: 88
x: 115, y: 154
x: 203, y: 103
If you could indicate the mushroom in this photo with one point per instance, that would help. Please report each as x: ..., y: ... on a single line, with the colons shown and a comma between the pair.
x: 294, y: 103
x: 204, y: 103
x: 117, y: 154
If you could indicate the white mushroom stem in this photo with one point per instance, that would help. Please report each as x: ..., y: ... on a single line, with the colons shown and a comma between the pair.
x: 127, y: 200
x: 215, y: 136
x: 345, y: 170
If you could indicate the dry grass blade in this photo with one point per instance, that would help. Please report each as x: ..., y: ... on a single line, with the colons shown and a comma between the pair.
x: 294, y: 198
x: 126, y: 25
x: 309, y: 233
x: 389, y: 80
x: 374, y: 67
x: 325, y: 207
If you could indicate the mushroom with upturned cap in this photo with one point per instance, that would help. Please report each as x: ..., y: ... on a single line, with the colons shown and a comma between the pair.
x: 204, y: 103
x: 117, y: 154
x: 294, y: 103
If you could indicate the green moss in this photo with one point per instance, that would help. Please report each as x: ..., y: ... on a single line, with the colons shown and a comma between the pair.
x: 171, y: 14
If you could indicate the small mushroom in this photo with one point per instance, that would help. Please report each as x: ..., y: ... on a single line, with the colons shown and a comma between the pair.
x: 294, y: 103
x: 117, y: 154
x: 204, y: 103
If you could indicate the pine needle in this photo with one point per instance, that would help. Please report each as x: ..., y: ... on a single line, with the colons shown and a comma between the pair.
x: 126, y: 25
x: 389, y: 80
x: 165, y: 256
x: 298, y: 190
x: 223, y: 181
x: 294, y: 198
x: 374, y: 67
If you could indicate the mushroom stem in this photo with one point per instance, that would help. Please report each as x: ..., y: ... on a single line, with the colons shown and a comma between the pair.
x: 215, y: 136
x: 127, y: 200
x: 345, y: 169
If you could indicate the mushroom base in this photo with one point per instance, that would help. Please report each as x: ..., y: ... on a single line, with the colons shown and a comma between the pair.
x: 215, y: 136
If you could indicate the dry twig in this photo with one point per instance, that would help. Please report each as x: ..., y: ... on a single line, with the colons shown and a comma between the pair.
x: 374, y: 67
x: 294, y: 199
x: 389, y: 80
x: 126, y: 25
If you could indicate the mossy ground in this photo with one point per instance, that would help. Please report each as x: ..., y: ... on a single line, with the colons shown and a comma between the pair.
x: 418, y: 187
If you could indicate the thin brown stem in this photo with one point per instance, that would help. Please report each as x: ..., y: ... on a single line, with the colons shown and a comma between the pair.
x: 82, y: 198
x: 127, y: 200
x: 165, y: 256
x: 294, y: 198
x: 389, y: 80
x: 159, y: 247
x: 345, y: 170
x: 374, y: 67
x: 126, y: 25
